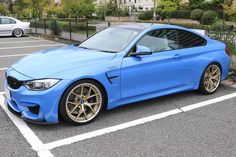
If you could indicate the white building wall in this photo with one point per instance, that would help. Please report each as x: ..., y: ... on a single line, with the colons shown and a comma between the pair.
x: 140, y: 5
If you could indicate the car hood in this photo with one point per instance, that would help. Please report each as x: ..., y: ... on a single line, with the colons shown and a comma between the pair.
x: 51, y: 61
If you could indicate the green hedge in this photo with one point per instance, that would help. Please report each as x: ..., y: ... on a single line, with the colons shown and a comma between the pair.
x: 209, y: 17
x: 146, y: 15
x: 181, y: 14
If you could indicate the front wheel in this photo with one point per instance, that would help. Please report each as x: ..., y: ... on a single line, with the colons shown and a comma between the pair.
x: 211, y: 79
x: 82, y: 102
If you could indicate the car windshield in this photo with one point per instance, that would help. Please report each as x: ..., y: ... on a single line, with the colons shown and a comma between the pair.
x: 110, y: 40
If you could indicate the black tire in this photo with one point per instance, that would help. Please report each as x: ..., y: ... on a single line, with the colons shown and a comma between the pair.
x: 17, y: 32
x: 63, y: 102
x: 202, y: 87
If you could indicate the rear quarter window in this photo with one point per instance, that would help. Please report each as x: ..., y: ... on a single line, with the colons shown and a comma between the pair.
x: 188, y: 39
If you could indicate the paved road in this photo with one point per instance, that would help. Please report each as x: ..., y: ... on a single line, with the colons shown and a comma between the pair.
x: 204, y: 131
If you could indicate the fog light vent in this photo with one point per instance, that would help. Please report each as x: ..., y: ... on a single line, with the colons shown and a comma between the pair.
x: 34, y: 109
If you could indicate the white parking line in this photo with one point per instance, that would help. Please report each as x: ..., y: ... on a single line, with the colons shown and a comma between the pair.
x: 126, y: 125
x: 2, y: 69
x: 16, y: 55
x: 28, y: 134
x: 21, y: 47
x: 27, y: 41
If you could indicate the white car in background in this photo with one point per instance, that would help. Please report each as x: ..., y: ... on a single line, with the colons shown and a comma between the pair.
x: 11, y: 26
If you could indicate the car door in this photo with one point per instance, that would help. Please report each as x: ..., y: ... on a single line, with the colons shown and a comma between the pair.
x: 162, y: 72
x: 6, y: 26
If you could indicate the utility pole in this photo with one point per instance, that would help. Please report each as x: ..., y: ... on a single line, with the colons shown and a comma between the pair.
x: 154, y: 10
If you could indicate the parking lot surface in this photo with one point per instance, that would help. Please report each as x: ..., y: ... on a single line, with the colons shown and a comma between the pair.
x: 185, y: 124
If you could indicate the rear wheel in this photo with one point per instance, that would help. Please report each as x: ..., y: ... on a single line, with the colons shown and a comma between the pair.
x: 17, y: 32
x: 211, y: 79
x: 82, y: 102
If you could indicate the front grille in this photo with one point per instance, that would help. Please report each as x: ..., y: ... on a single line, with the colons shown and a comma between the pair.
x: 13, y: 82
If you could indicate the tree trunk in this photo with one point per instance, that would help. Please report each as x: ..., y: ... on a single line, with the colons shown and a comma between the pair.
x: 76, y: 19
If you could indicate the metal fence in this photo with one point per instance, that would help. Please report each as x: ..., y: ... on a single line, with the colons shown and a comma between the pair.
x: 81, y: 29
x: 229, y: 38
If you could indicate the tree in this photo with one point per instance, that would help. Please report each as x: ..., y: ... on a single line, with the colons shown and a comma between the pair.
x: 53, y: 10
x: 78, y: 8
x: 196, y: 4
x: 3, y: 9
x: 22, y: 7
x: 229, y: 9
x: 167, y: 7
x: 39, y: 6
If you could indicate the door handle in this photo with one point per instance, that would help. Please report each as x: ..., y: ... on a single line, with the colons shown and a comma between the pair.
x: 177, y: 56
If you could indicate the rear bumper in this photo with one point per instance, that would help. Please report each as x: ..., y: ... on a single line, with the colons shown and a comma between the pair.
x: 27, y: 31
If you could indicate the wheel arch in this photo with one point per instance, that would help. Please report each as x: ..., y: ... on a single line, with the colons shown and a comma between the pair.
x: 214, y: 62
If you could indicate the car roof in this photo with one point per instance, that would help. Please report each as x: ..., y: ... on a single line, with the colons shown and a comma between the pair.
x: 150, y: 26
x: 144, y: 26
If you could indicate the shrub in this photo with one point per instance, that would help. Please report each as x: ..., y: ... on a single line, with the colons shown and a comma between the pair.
x: 147, y: 15
x: 55, y: 27
x: 208, y: 17
x: 197, y: 14
x: 181, y: 14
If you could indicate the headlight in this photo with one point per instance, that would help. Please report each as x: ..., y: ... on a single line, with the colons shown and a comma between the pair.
x: 41, y: 84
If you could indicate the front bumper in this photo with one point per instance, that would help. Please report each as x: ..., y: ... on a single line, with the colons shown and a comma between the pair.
x: 38, y: 106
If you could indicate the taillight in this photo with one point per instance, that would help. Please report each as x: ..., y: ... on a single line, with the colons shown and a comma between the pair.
x: 227, y: 50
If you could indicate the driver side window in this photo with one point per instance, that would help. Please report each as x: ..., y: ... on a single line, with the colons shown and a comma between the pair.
x: 160, y: 40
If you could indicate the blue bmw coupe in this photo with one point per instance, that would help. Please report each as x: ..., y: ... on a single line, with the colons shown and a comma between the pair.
x: 117, y: 66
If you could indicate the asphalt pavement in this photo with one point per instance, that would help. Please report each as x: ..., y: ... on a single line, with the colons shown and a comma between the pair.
x: 187, y: 124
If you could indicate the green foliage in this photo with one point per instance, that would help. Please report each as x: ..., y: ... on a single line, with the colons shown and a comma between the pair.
x: 209, y: 17
x: 197, y: 14
x: 78, y: 7
x: 219, y: 32
x: 181, y: 14
x: 39, y: 6
x: 55, y: 27
x: 206, y: 5
x: 3, y: 9
x: 54, y: 11
x: 146, y: 15
x: 230, y: 10
x: 167, y: 7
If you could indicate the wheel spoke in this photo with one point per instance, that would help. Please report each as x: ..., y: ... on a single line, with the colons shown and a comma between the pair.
x: 79, y: 114
x: 85, y: 115
x: 73, y: 103
x: 92, y: 96
x: 82, y: 90
x: 89, y: 91
x: 90, y: 107
x: 94, y: 103
x: 73, y: 109
x: 76, y: 94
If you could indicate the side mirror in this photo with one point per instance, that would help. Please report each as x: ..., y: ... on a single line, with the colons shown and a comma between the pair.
x: 141, y: 50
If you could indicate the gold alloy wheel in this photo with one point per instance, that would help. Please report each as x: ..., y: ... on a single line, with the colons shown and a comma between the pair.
x: 212, y: 78
x: 83, y: 102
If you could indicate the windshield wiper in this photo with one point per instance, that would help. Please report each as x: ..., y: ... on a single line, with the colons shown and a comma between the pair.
x: 107, y: 51
x: 98, y: 50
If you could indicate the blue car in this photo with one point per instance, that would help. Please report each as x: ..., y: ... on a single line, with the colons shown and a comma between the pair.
x: 117, y: 66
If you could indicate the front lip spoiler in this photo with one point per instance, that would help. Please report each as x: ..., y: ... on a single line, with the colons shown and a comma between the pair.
x: 26, y: 119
